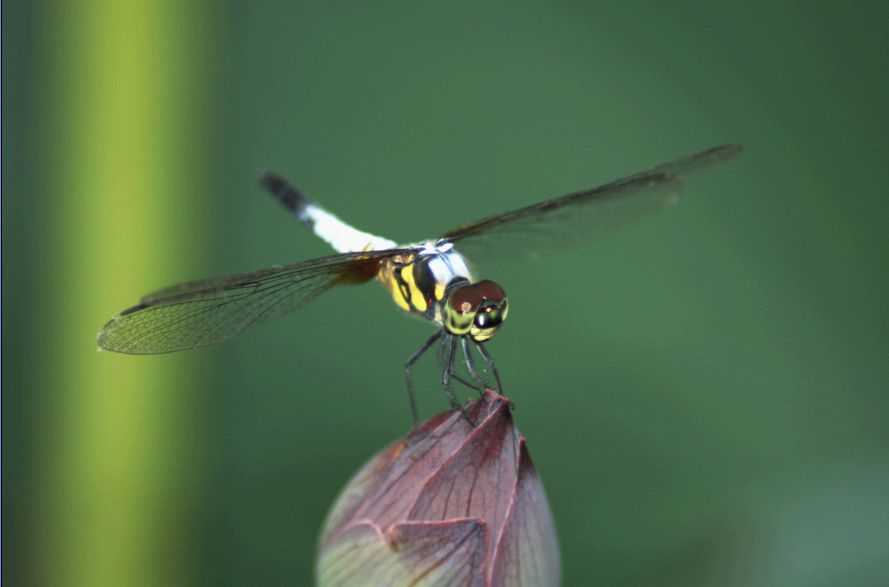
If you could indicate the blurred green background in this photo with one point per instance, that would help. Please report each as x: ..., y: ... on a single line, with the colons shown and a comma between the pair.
x: 705, y: 395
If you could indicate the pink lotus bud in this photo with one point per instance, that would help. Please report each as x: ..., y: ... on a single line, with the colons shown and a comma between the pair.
x: 452, y: 504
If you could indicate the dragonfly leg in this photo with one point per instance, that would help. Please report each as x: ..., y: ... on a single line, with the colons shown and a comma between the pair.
x: 470, y: 365
x: 446, y: 380
x: 489, y: 361
x: 468, y: 384
x: 408, y: 365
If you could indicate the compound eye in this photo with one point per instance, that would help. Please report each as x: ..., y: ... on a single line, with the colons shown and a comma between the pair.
x: 488, y: 290
x: 489, y: 315
x: 477, y: 310
x: 465, y: 300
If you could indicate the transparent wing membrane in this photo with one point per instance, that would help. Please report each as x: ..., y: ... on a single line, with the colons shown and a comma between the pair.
x: 205, y: 312
x: 583, y: 216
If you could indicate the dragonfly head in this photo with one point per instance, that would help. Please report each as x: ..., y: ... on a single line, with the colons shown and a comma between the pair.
x: 476, y: 310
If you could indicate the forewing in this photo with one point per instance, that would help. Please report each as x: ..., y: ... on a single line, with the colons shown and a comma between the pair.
x: 205, y: 312
x: 577, y: 218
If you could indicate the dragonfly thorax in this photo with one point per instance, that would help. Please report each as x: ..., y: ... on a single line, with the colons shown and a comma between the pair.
x: 436, y: 284
x: 476, y: 310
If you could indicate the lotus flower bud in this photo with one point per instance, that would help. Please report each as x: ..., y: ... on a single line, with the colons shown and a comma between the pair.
x: 452, y: 504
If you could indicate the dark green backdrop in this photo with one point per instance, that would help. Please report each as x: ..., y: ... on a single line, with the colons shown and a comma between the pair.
x: 705, y: 395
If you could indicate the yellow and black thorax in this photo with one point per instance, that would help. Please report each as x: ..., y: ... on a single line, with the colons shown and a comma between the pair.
x: 420, y: 282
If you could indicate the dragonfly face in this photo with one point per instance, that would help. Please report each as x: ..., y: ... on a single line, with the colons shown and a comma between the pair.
x: 429, y: 279
x: 476, y: 310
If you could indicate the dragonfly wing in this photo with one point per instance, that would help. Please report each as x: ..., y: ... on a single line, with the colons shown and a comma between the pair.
x: 200, y: 313
x: 580, y: 217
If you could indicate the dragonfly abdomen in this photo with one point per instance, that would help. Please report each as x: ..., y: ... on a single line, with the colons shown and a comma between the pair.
x: 338, y: 234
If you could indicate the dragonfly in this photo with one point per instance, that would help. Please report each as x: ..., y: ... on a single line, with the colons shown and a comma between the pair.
x: 430, y: 279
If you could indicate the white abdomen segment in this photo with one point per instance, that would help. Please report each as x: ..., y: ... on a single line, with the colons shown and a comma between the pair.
x: 342, y: 237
